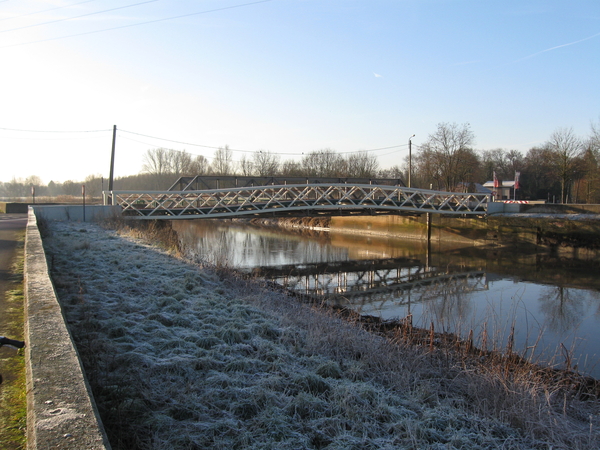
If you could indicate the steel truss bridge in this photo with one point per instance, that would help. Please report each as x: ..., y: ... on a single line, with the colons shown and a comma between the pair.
x: 294, y: 200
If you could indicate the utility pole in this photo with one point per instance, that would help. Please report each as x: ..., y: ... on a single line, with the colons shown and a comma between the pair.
x: 112, y: 164
x: 410, y: 159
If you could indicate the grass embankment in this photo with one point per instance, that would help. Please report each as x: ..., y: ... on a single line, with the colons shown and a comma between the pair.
x: 182, y: 356
x: 13, y: 402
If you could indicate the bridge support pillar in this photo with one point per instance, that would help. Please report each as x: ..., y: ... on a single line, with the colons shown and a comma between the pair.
x: 429, y: 220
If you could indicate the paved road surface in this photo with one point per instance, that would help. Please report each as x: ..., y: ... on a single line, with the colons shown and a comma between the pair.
x: 10, y: 226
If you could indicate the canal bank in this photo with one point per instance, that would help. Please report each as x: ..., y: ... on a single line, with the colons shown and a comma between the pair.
x: 564, y: 229
x: 79, y: 250
x: 190, y: 357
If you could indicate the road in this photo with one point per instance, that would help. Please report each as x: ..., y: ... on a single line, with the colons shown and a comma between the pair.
x: 10, y: 227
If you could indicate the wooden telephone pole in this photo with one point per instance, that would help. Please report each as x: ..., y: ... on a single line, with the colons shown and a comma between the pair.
x: 112, y: 164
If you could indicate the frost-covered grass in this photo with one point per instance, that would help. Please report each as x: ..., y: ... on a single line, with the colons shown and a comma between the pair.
x: 181, y: 356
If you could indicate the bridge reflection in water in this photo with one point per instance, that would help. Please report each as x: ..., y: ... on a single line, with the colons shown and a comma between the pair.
x: 373, y: 286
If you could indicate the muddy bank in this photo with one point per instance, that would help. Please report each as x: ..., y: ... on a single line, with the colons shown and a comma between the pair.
x: 576, y: 234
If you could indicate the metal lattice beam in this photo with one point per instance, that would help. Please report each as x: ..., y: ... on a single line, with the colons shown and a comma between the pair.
x: 332, y: 199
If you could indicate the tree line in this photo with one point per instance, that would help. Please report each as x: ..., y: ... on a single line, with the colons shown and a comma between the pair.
x: 563, y: 169
x: 320, y: 163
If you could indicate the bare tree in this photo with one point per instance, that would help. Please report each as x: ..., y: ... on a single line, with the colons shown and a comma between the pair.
x: 223, y: 161
x: 594, y: 140
x: 15, y: 188
x: 361, y: 165
x: 591, y: 164
x: 539, y: 177
x: 323, y: 163
x: 493, y: 161
x: 200, y: 165
x: 246, y: 166
x: 588, y: 187
x: 72, y: 188
x: 446, y: 158
x: 392, y: 172
x: 265, y: 163
x: 514, y: 162
x: 291, y: 168
x: 180, y: 162
x: 156, y: 161
x: 94, y: 184
x: 565, y: 148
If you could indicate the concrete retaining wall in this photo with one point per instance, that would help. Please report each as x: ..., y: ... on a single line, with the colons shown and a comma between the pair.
x: 541, y: 208
x: 13, y: 208
x: 76, y: 212
x: 470, y: 230
x: 61, y: 413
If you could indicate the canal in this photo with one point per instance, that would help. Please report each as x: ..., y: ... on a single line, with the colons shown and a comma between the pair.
x: 548, y: 303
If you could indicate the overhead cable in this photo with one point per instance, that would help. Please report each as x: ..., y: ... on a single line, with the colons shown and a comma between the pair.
x: 54, y: 131
x: 252, y: 151
x: 197, y: 145
x: 45, y: 10
x: 76, y: 17
x: 139, y: 23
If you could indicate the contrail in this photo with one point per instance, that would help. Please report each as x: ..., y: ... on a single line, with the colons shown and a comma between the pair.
x: 554, y: 48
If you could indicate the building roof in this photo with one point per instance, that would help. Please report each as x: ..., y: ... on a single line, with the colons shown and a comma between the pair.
x: 479, y: 188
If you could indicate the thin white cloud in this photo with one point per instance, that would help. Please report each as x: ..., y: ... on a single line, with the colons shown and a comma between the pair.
x: 377, y: 75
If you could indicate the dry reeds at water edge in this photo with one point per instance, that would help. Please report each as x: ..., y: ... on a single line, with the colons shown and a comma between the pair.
x: 180, y: 356
x: 508, y: 362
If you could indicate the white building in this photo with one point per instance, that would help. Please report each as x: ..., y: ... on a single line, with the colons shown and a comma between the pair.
x: 506, y: 191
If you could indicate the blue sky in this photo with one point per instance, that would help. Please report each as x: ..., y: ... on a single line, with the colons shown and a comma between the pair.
x: 288, y: 76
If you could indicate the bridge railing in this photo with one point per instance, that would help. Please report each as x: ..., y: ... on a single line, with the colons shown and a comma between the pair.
x: 333, y: 199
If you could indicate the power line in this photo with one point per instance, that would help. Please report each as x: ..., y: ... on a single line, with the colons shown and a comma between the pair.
x: 194, y: 144
x: 253, y: 151
x: 53, y: 131
x: 50, y: 139
x: 173, y: 141
x: 139, y: 23
x: 44, y: 10
x: 76, y: 17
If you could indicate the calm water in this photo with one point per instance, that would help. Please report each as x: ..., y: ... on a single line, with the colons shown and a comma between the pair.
x: 553, y: 303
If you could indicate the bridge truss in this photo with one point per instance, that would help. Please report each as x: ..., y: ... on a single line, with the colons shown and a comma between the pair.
x: 298, y: 199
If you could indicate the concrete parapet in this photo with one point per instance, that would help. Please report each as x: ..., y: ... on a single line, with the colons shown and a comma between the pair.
x: 13, y: 208
x: 61, y: 413
x: 76, y: 212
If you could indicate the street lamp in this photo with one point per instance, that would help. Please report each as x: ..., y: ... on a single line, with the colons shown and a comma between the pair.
x: 410, y: 159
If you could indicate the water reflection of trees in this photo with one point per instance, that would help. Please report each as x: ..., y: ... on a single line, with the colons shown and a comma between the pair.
x: 231, y: 247
x: 449, y: 304
x: 563, y: 307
